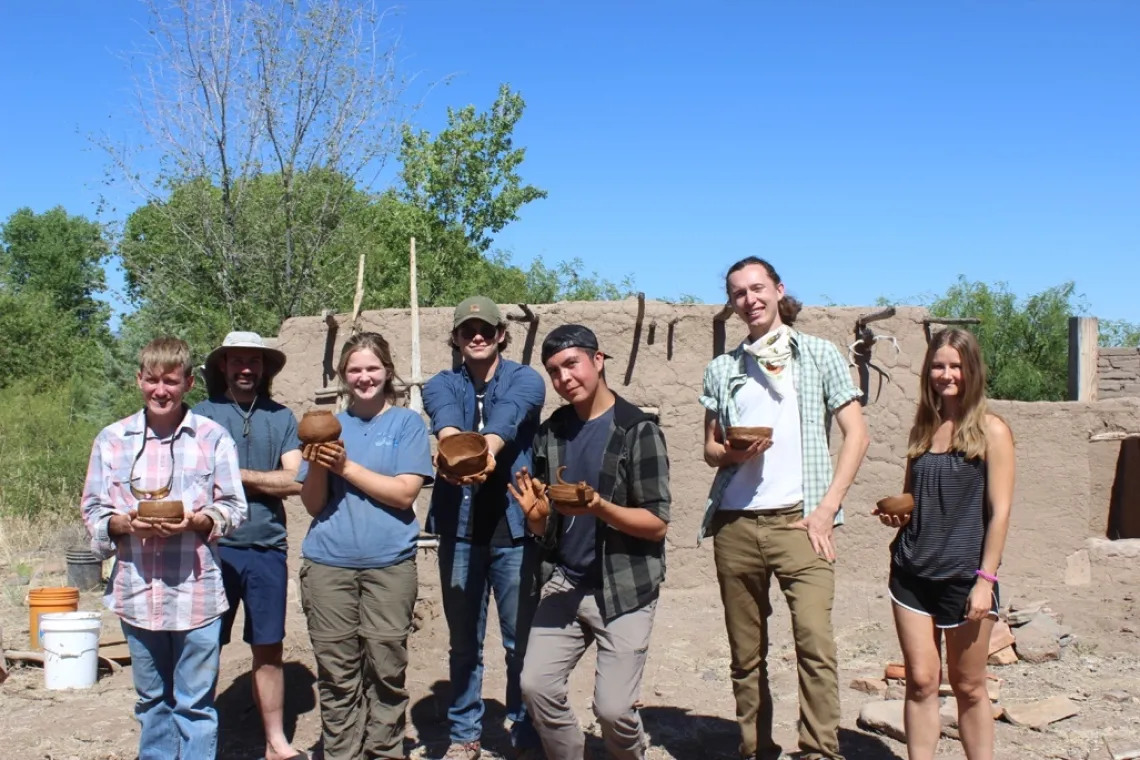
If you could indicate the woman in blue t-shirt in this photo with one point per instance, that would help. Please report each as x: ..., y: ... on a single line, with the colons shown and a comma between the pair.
x: 358, y: 578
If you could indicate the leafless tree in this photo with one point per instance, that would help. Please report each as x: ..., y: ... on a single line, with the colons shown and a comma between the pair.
x: 268, y: 117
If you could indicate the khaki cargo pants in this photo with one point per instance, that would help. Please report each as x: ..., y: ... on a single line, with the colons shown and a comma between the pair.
x: 359, y: 621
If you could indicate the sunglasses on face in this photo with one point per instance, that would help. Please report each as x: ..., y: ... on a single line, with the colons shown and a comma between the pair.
x: 468, y: 331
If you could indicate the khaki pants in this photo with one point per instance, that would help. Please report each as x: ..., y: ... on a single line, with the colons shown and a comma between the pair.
x: 359, y: 621
x: 566, y: 621
x: 751, y: 547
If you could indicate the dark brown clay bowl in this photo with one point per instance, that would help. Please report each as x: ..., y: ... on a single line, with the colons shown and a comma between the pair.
x: 463, y: 454
x: 743, y: 437
x: 161, y: 511
x: 319, y: 426
x: 897, y: 506
x: 570, y: 494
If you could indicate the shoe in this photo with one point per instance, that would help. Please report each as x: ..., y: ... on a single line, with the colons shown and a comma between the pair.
x: 464, y: 751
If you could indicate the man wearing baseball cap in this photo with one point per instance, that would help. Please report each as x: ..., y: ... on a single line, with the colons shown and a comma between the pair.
x: 604, y: 560
x: 238, y: 375
x: 481, y: 529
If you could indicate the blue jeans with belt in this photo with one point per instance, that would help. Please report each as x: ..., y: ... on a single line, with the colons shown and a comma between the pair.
x: 175, y: 675
x: 469, y: 573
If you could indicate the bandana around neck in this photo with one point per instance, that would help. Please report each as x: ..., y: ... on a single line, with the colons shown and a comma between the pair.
x: 773, y: 354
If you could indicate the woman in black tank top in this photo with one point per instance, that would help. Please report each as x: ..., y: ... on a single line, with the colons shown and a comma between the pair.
x: 945, y: 557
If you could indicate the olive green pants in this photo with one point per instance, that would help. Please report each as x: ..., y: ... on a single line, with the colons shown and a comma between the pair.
x: 359, y: 621
x: 749, y: 548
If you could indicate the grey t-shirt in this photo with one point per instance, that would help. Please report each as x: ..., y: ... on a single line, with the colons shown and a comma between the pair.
x: 577, y: 544
x: 272, y: 432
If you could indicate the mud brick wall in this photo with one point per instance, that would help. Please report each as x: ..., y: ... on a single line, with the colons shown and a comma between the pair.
x: 1061, y: 497
x: 1119, y: 370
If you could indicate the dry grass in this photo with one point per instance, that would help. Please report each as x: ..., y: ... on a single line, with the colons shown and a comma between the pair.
x: 32, y: 548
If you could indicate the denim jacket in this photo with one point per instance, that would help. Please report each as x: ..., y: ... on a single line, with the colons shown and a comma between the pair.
x: 512, y: 404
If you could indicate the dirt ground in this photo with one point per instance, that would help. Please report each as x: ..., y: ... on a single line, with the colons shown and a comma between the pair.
x: 687, y: 697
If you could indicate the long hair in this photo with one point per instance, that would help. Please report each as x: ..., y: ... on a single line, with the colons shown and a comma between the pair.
x: 788, y: 307
x: 374, y: 342
x: 970, y: 430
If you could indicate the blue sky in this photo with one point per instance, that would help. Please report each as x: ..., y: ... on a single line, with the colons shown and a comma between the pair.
x: 866, y: 149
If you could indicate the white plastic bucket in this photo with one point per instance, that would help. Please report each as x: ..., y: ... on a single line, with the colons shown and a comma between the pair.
x: 70, y: 641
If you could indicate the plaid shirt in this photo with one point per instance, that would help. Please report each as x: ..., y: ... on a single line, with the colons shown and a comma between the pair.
x: 164, y: 584
x: 823, y: 385
x: 635, y: 473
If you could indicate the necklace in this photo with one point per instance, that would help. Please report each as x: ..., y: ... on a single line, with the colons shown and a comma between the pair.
x: 372, y: 422
x: 245, y: 416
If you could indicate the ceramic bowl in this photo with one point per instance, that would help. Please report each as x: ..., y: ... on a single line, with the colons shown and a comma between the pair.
x: 570, y: 494
x: 463, y: 454
x: 898, y: 506
x: 743, y: 437
x: 320, y: 426
x: 161, y: 511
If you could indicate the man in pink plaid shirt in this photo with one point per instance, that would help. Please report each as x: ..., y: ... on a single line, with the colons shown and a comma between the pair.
x: 167, y: 583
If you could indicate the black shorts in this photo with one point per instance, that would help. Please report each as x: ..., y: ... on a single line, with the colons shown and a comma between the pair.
x: 259, y: 579
x: 945, y: 601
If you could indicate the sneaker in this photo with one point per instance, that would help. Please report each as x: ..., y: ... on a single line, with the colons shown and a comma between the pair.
x: 465, y: 751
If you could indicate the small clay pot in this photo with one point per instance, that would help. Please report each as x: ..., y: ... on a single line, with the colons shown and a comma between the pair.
x: 319, y: 426
x: 570, y: 494
x: 462, y: 455
x: 161, y: 511
x: 741, y: 438
x: 897, y: 506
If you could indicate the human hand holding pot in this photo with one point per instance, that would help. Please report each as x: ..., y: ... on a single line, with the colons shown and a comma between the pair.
x: 331, y: 456
x: 531, y: 496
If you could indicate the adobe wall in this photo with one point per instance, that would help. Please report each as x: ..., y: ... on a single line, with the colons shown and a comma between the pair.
x: 1119, y: 372
x: 1058, y: 499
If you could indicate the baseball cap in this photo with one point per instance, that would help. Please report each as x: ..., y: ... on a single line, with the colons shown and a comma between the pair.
x: 476, y: 307
x: 569, y: 336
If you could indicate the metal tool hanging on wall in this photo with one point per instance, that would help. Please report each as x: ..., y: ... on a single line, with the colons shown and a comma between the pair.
x: 861, y: 352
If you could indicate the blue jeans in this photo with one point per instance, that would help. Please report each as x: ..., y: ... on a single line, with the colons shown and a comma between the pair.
x: 468, y: 575
x: 175, y: 674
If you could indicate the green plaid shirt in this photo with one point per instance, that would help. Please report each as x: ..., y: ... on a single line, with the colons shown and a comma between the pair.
x: 823, y: 385
x: 635, y: 473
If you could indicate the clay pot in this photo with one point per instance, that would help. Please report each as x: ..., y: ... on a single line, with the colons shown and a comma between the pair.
x: 462, y: 455
x: 570, y: 494
x: 898, y: 506
x: 161, y: 511
x: 319, y: 426
x: 742, y: 437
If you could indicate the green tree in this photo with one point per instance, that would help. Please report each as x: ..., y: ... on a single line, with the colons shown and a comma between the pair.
x: 1119, y: 333
x: 1025, y: 343
x: 467, y: 176
x: 59, y: 257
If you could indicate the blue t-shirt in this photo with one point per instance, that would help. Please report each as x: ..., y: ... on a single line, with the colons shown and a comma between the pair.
x: 577, y: 542
x: 354, y: 530
x: 272, y: 432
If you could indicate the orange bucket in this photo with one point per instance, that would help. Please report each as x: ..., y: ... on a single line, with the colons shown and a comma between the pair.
x: 48, y: 599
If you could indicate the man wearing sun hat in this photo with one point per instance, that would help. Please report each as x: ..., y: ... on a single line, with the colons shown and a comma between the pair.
x: 238, y: 375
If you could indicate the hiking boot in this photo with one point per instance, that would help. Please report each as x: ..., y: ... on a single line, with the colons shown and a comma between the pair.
x: 464, y: 751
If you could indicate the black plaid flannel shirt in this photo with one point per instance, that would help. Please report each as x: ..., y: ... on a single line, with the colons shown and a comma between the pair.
x: 635, y: 473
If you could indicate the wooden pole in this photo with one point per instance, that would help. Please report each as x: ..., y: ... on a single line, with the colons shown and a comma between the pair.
x: 416, y: 401
x: 1084, y: 375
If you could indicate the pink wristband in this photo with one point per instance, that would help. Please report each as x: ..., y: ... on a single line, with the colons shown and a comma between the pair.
x: 987, y: 576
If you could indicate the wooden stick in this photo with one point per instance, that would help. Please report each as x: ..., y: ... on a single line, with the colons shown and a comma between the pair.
x: 415, y: 398
x: 359, y: 297
x: 1114, y: 435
